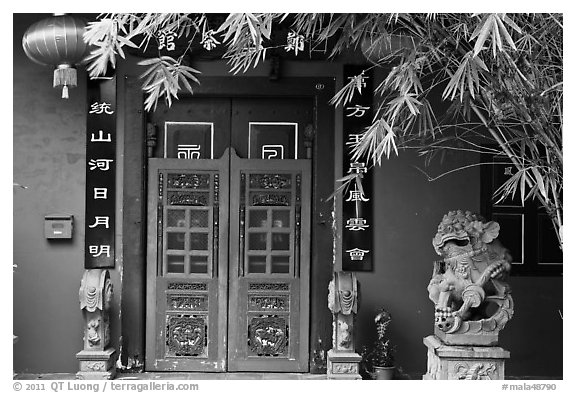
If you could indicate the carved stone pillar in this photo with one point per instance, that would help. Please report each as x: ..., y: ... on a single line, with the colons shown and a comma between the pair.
x: 97, y: 358
x: 343, y: 361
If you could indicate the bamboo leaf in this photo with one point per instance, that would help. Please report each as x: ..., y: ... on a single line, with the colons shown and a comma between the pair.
x: 512, y: 24
x: 505, y: 33
x: 482, y: 34
x: 127, y: 42
x: 496, y: 40
x: 150, y: 61
x: 523, y: 186
x: 540, y: 183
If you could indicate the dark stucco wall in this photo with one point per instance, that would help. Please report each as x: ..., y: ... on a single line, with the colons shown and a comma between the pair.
x: 407, y: 210
x: 49, y: 159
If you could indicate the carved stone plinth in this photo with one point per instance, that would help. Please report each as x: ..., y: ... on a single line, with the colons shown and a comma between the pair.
x: 96, y: 364
x: 455, y: 362
x: 343, y: 361
x: 343, y: 365
x: 97, y: 359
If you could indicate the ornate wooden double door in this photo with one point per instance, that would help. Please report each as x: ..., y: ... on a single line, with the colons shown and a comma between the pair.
x: 228, y: 239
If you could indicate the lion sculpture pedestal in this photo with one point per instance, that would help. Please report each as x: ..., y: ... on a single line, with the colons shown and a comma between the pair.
x: 470, y: 291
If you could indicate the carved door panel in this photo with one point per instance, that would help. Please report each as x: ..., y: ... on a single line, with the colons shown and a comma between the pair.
x: 187, y: 266
x: 269, y: 265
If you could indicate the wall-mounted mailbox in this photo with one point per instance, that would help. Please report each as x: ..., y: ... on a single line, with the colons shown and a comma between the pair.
x: 58, y: 226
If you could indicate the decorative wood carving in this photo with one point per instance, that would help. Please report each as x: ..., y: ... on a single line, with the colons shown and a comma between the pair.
x: 187, y: 198
x: 276, y: 303
x: 185, y: 286
x: 298, y: 224
x: 159, y: 223
x: 268, y: 335
x: 189, y: 181
x: 183, y: 302
x: 268, y: 199
x: 215, y: 223
x: 268, y: 181
x: 269, y: 286
x: 241, y: 246
x: 185, y: 335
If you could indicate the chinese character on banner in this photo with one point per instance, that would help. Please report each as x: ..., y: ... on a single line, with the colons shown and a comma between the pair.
x: 357, y: 167
x: 357, y: 254
x: 294, y: 42
x: 100, y: 193
x: 354, y: 140
x: 357, y: 110
x: 100, y: 137
x: 101, y: 108
x: 359, y: 81
x: 356, y: 195
x: 96, y: 251
x: 356, y: 224
x: 100, y: 220
x: 101, y: 163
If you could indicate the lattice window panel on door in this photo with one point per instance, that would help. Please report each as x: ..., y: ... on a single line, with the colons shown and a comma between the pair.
x: 269, y: 223
x: 188, y: 223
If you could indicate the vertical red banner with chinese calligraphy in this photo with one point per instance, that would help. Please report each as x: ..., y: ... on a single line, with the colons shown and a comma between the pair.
x: 100, y: 173
x: 357, y: 200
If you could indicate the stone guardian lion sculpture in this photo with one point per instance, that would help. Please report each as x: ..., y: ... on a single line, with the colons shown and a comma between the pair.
x: 469, y: 286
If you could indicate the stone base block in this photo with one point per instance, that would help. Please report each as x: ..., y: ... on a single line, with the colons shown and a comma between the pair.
x: 97, y: 364
x: 480, y: 338
x: 454, y: 362
x: 343, y: 365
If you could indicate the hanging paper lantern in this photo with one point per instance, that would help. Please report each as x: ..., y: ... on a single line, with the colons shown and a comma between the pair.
x: 57, y: 41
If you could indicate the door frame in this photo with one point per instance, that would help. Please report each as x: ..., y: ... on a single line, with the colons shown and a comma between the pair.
x: 134, y: 202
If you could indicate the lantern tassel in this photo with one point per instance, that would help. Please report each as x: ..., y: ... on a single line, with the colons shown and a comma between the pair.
x: 65, y: 76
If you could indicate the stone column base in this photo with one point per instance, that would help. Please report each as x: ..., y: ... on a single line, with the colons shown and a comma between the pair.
x: 453, y: 362
x: 97, y: 364
x: 343, y: 365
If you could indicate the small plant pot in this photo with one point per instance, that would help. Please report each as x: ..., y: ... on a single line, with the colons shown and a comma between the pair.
x: 384, y: 373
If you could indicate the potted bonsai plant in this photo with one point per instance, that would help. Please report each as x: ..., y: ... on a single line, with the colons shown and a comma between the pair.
x: 378, y: 360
